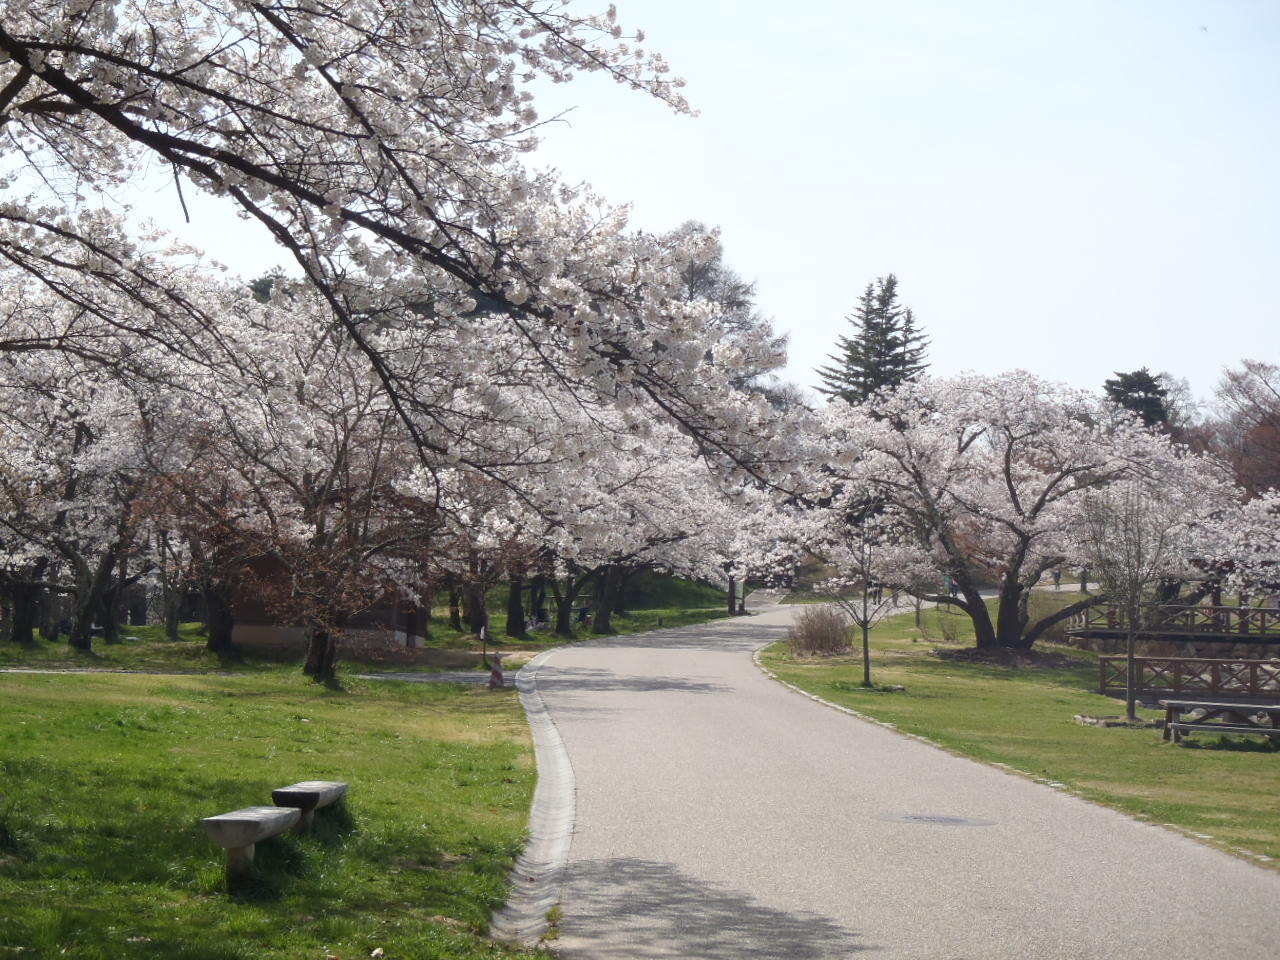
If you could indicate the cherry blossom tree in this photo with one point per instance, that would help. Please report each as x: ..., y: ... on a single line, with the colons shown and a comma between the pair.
x: 1137, y: 533
x: 1249, y: 540
x: 307, y: 451
x: 859, y: 552
x: 983, y: 478
x: 379, y: 143
x: 67, y: 493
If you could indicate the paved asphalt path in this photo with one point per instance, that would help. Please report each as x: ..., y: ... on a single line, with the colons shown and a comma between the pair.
x: 721, y: 815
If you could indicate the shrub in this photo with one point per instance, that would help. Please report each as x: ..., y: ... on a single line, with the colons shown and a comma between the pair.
x: 819, y: 631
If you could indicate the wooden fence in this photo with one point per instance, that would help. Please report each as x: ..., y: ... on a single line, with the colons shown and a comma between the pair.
x: 1257, y: 623
x: 1232, y: 678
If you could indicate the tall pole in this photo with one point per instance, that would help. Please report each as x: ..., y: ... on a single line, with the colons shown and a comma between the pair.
x: 866, y: 626
x: 1130, y: 667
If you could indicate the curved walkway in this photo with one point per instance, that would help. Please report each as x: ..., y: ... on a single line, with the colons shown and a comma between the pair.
x: 720, y: 815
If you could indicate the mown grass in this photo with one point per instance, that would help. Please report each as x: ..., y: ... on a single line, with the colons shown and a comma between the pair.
x: 444, y: 651
x: 139, y: 648
x: 105, y: 778
x: 1224, y: 788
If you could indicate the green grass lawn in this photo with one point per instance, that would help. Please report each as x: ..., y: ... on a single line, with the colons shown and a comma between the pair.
x: 106, y: 776
x: 658, y: 601
x: 1224, y: 788
x: 142, y: 649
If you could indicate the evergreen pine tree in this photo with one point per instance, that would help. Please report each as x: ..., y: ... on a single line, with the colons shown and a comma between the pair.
x: 885, y: 349
x: 1142, y: 392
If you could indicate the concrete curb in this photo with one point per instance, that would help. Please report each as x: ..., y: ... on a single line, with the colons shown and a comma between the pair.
x: 538, y: 875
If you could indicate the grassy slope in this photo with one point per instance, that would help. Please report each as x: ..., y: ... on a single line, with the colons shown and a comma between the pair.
x: 106, y: 776
x: 1226, y: 788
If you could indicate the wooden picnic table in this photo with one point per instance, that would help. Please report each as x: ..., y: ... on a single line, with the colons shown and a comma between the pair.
x: 1216, y: 717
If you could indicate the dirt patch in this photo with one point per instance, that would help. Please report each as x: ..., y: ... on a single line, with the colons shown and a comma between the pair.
x: 1009, y: 657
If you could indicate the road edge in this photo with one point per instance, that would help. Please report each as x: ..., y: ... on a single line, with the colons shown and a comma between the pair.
x: 538, y: 875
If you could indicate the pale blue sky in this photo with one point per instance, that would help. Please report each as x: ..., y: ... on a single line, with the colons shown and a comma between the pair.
x: 1073, y: 188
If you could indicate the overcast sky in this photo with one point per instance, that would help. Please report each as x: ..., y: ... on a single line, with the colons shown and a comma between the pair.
x: 1073, y: 188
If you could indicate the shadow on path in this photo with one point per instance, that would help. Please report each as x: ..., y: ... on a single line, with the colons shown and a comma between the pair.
x: 595, y: 680
x: 653, y: 910
x: 744, y: 633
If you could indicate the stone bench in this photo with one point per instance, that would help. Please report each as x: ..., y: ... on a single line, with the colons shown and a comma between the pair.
x: 295, y: 808
x: 308, y: 796
x: 239, y: 830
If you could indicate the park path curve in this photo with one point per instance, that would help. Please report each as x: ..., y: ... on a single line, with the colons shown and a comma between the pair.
x: 721, y: 815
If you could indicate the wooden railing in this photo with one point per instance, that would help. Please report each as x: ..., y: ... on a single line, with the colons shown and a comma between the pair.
x: 1184, y: 620
x: 1236, y: 678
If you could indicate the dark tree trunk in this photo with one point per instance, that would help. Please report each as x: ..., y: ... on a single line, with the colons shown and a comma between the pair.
x: 218, y: 620
x: 411, y: 627
x: 606, y: 594
x: 984, y: 631
x: 81, y: 636
x: 1011, y: 617
x: 137, y: 607
x: 516, y: 625
x: 50, y: 615
x: 477, y: 615
x: 24, y: 612
x: 424, y: 614
x: 455, y: 610
x: 564, y: 601
x: 109, y: 617
x: 625, y: 576
x: 866, y: 654
x: 564, y: 616
x: 173, y: 600
x: 733, y: 600
x: 322, y: 655
x: 90, y: 600
x: 538, y: 597
x: 115, y: 602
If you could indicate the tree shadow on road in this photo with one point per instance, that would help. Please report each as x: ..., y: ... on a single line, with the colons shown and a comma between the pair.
x: 718, y: 636
x: 595, y: 680
x: 644, y: 909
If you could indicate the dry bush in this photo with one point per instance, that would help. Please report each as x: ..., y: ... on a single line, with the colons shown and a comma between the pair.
x: 819, y: 631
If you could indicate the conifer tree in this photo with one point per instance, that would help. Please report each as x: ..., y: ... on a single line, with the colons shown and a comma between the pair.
x: 885, y: 349
x: 1141, y: 392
